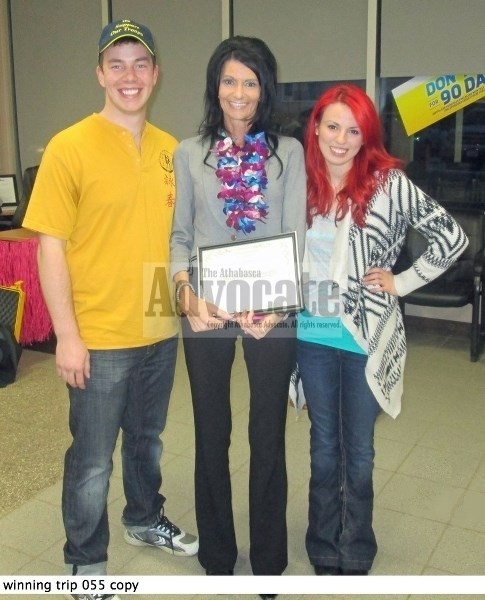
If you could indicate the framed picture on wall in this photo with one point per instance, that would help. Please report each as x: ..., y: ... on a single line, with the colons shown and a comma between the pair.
x: 8, y: 190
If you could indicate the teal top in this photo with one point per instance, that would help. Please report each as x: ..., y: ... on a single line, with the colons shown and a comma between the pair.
x: 328, y: 331
x: 320, y: 322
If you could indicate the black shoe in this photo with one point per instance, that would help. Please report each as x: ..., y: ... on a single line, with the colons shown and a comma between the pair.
x: 228, y: 572
x: 354, y: 572
x: 324, y: 570
x: 267, y: 596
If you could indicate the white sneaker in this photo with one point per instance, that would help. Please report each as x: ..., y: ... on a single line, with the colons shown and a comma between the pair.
x: 166, y: 536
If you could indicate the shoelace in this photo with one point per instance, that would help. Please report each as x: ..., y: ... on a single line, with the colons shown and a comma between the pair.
x: 168, y: 527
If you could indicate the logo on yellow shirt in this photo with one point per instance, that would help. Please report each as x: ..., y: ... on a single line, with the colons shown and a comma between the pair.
x: 165, y: 160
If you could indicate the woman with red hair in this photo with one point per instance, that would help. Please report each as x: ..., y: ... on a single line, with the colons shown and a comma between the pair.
x: 351, y: 341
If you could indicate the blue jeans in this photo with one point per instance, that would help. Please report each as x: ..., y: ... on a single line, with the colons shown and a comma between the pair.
x: 128, y: 389
x: 342, y: 411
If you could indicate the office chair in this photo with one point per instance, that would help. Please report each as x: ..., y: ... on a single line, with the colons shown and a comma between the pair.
x: 463, y: 283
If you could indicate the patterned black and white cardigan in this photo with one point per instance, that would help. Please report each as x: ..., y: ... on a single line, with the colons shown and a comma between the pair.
x: 374, y: 319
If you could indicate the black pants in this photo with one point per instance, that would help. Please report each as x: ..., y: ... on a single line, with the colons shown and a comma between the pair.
x: 269, y: 361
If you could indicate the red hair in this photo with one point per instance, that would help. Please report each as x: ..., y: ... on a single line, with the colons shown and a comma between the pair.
x: 370, y: 165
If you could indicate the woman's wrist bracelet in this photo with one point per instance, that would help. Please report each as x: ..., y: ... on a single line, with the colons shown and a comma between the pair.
x: 180, y: 286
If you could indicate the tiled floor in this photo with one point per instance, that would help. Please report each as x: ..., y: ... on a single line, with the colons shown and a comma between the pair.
x: 429, y: 481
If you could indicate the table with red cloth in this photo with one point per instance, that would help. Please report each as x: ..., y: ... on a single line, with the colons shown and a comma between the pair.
x: 18, y: 262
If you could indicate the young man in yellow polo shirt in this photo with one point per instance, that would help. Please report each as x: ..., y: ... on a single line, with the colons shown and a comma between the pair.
x: 102, y: 204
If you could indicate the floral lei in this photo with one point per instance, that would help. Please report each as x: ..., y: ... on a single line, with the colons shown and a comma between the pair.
x: 243, y: 178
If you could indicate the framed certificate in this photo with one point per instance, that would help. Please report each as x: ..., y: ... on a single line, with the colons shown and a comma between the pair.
x: 261, y: 274
x: 8, y: 190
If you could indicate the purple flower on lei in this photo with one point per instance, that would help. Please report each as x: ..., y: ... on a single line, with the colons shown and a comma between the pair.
x: 242, y: 174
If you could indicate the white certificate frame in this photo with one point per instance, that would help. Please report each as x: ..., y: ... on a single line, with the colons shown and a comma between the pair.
x: 8, y: 190
x: 261, y: 274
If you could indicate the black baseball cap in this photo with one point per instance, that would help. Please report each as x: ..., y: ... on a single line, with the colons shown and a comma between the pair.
x: 125, y: 28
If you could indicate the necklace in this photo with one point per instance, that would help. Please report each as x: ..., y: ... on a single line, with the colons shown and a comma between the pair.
x: 242, y: 174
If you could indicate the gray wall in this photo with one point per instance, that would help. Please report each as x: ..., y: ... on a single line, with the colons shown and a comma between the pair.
x: 432, y: 37
x: 54, y: 57
x: 313, y: 40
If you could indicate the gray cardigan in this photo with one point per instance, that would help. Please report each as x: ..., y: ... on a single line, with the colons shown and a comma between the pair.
x: 198, y: 218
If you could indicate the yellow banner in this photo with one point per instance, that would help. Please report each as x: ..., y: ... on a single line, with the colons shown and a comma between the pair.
x: 422, y: 101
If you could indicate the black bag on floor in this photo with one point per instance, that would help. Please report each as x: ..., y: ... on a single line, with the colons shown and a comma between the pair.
x: 10, y: 351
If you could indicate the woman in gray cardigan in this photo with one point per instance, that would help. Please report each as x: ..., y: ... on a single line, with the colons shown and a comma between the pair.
x: 236, y: 181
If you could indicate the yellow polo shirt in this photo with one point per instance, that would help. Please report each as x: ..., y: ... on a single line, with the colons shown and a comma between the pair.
x: 114, y: 206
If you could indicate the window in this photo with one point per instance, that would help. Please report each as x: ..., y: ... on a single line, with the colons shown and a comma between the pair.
x: 447, y: 159
x: 295, y: 102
